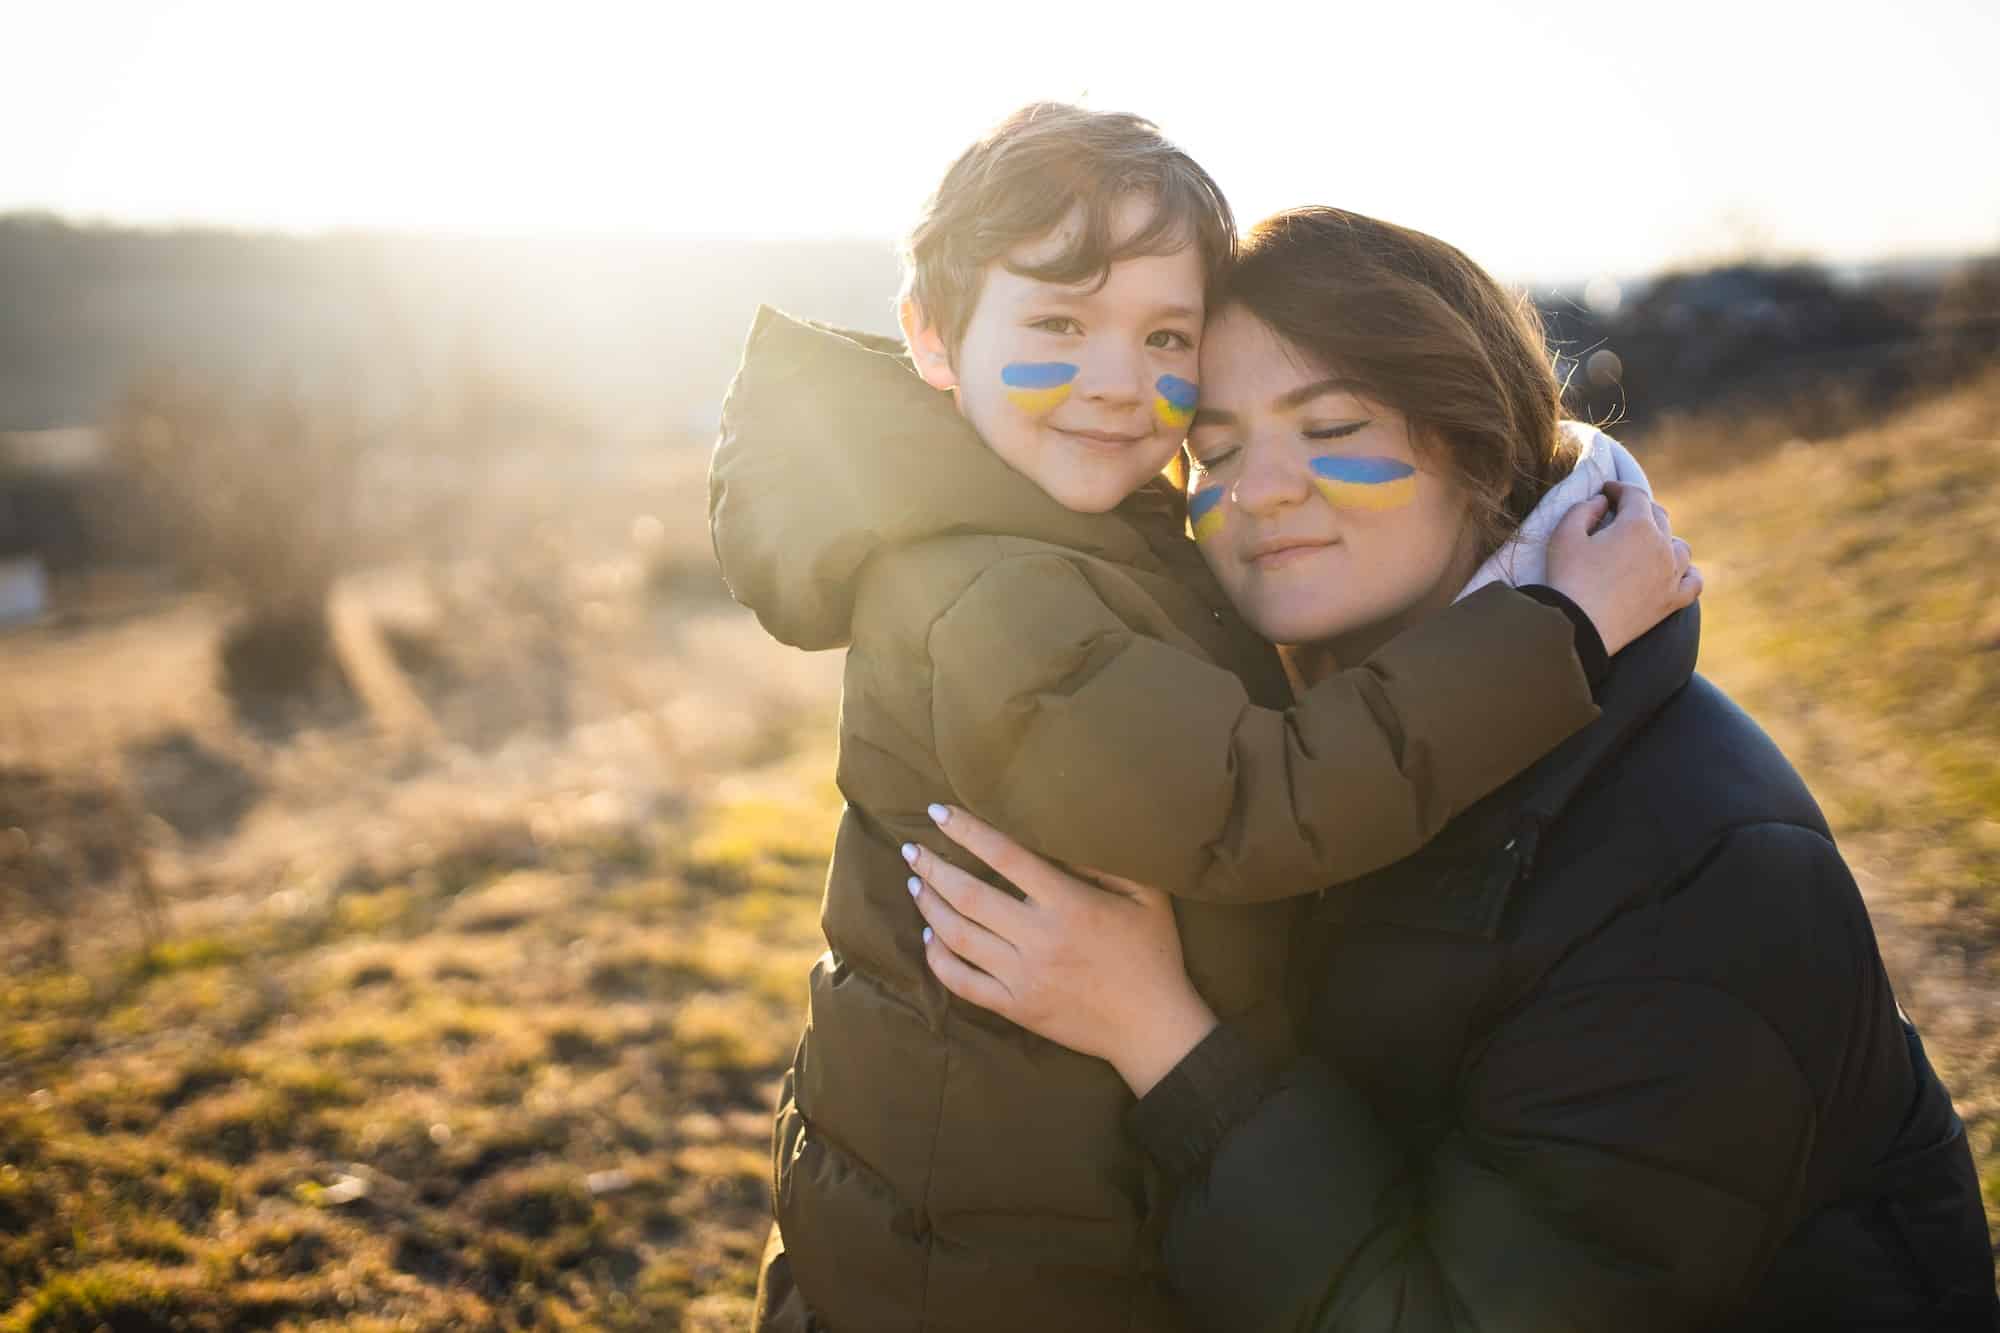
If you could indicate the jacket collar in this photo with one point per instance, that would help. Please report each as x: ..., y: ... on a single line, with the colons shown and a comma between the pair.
x: 1462, y: 880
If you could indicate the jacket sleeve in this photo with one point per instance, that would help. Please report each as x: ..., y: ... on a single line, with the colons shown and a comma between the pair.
x: 1100, y: 746
x: 1624, y: 1154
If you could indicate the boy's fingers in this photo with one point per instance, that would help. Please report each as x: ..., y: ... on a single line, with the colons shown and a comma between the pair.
x: 984, y: 841
x: 968, y: 939
x: 1660, y: 518
x: 1683, y: 556
x: 1581, y: 514
x: 970, y: 895
x: 964, y: 980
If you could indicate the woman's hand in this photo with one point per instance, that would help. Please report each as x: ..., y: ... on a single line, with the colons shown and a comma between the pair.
x: 1095, y: 967
x: 1628, y: 574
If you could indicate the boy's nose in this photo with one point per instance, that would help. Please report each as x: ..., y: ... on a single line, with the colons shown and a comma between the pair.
x: 1113, y: 378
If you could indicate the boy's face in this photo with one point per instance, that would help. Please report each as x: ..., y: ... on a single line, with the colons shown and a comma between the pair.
x: 1086, y: 392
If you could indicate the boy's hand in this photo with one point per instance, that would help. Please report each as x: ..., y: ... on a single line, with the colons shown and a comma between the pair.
x: 1628, y: 573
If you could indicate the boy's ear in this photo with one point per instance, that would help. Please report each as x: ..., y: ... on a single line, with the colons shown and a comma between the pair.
x: 926, y: 344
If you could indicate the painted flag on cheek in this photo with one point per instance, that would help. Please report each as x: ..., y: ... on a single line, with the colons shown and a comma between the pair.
x: 1174, y: 400
x: 1037, y: 387
x: 1365, y: 483
x: 1205, y: 512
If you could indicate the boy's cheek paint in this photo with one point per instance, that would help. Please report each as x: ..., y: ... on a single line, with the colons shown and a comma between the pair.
x: 1205, y: 512
x: 1173, y: 401
x: 1365, y: 483
x: 1037, y: 387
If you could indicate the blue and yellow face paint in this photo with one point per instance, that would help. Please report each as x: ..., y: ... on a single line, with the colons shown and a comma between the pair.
x: 1037, y: 387
x: 1173, y: 402
x: 1365, y: 483
x: 1205, y: 512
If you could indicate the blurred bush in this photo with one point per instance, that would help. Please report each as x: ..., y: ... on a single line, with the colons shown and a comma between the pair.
x: 256, y: 497
x: 1753, y: 333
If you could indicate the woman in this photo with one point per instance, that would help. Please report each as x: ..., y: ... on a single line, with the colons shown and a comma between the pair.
x: 1617, y: 1050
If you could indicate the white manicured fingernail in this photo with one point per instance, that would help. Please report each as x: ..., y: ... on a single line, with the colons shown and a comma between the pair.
x: 939, y: 814
x: 910, y: 852
x: 916, y: 886
x: 927, y: 934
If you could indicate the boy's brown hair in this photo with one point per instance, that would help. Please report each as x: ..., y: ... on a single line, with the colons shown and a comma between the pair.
x: 1418, y: 327
x: 1027, y: 176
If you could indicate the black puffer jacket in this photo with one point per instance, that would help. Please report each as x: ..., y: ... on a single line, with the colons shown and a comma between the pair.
x: 1616, y: 1052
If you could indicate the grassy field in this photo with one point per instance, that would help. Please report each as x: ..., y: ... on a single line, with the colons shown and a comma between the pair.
x: 463, y: 1007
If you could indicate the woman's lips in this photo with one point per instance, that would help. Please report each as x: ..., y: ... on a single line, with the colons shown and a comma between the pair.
x: 1277, y: 555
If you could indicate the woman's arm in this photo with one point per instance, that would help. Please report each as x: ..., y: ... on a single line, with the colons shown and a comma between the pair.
x: 1094, y: 967
x: 1624, y: 1150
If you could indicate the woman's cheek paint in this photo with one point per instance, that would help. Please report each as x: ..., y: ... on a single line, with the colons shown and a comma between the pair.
x: 1037, y: 387
x: 1173, y: 401
x: 1205, y: 512
x: 1365, y: 483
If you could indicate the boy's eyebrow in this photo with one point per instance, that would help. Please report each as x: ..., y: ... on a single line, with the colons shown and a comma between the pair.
x: 1178, y: 312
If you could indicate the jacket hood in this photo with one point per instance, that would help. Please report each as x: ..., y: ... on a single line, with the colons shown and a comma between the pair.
x: 832, y: 448
x: 1524, y: 558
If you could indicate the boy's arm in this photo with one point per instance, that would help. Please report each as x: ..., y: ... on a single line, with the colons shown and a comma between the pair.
x: 1096, y: 745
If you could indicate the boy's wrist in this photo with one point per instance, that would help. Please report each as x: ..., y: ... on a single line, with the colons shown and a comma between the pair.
x: 1590, y: 648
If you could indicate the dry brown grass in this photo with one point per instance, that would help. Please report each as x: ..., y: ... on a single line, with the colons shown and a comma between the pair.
x: 470, y: 1028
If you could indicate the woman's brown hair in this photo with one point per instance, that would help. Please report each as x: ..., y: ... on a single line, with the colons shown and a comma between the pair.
x: 1418, y: 327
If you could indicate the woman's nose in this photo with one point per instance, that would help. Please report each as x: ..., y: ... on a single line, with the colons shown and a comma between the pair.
x: 1272, y: 478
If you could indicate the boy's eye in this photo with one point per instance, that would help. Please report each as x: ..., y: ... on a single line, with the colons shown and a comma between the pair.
x: 1170, y: 339
x: 1056, y: 324
x: 1339, y: 432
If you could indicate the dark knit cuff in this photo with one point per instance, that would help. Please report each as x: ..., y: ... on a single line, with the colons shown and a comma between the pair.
x: 1212, y: 1090
x: 1589, y: 643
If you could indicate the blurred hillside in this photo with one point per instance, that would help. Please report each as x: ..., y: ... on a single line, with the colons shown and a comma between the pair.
x: 639, y: 335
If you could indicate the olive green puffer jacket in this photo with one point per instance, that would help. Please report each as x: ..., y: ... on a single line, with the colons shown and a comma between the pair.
x: 1079, y: 681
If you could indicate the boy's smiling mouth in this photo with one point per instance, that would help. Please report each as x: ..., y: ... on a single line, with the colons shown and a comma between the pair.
x: 1103, y: 439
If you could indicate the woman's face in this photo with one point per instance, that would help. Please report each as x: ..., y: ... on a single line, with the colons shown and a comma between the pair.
x: 1311, y: 504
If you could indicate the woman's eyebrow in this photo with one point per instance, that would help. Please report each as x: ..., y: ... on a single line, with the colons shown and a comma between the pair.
x: 1204, y: 415
x: 1305, y: 393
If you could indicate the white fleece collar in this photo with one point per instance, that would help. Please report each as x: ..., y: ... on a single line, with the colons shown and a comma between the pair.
x: 1525, y: 556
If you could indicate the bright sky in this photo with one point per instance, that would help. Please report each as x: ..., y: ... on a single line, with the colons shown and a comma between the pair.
x: 1547, y: 139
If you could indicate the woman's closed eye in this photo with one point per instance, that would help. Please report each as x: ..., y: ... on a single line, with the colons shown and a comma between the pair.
x: 1339, y: 432
x: 1209, y: 459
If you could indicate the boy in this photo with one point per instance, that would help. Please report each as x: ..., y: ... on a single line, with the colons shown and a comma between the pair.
x: 1031, y: 636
